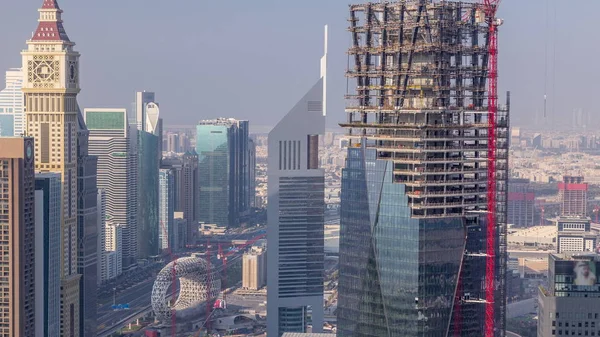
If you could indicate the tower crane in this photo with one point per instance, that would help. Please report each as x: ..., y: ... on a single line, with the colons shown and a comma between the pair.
x: 490, y: 8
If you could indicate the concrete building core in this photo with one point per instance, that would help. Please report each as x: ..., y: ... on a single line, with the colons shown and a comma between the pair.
x: 254, y: 269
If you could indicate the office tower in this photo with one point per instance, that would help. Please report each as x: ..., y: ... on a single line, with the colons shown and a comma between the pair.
x: 222, y: 148
x: 173, y: 143
x: 101, y: 222
x: 572, y: 192
x: 166, y: 211
x: 569, y: 306
x: 189, y: 193
x: 418, y: 256
x: 521, y: 203
x: 254, y: 269
x: 12, y: 113
x: 574, y: 234
x: 113, y: 246
x: 110, y: 140
x: 87, y: 222
x: 149, y: 149
x: 17, y: 221
x: 51, y: 85
x: 180, y: 232
x: 47, y: 254
x: 251, y: 173
x: 295, y: 212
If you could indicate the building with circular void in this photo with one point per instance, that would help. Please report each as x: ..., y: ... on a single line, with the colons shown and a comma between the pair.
x: 198, y: 282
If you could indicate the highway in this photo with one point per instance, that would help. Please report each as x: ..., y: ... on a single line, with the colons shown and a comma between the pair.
x: 138, y: 298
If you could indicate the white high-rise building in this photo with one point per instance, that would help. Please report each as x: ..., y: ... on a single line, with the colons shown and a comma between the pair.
x: 296, y: 215
x: 11, y: 105
x: 113, y: 235
x: 110, y: 140
x: 166, y: 207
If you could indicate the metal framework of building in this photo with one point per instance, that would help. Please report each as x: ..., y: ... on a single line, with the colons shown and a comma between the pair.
x: 426, y: 99
x: 198, y: 283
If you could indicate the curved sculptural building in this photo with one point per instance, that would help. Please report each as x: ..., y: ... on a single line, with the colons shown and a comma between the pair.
x: 198, y: 282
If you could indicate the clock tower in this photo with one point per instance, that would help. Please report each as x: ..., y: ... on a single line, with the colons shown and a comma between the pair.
x: 51, y: 85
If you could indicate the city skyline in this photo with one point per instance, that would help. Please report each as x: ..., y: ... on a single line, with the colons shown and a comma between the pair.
x: 525, y: 74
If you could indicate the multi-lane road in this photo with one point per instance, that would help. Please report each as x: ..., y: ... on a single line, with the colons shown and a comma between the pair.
x: 138, y: 298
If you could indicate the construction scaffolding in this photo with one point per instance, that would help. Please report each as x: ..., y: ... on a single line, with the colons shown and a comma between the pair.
x: 422, y: 99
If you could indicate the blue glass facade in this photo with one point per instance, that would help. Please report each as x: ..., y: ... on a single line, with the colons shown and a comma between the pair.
x: 148, y: 203
x: 7, y: 128
x: 398, y: 275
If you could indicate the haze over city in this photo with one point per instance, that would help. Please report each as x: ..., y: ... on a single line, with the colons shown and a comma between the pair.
x: 402, y: 168
x: 248, y: 59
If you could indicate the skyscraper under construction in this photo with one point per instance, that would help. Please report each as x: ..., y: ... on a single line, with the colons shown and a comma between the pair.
x: 423, y: 214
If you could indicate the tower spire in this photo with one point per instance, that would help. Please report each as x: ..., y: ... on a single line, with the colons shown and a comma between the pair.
x: 50, y: 27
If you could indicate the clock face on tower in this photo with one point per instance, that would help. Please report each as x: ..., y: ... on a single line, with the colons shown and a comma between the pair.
x: 72, y: 72
x: 29, y: 151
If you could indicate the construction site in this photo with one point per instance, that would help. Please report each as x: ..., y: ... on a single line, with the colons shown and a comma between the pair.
x: 422, y: 96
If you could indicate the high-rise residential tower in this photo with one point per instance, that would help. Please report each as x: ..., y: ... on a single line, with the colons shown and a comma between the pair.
x: 572, y: 192
x: 110, y: 140
x: 417, y: 254
x: 12, y: 112
x: 47, y: 254
x: 87, y: 222
x: 295, y: 212
x: 51, y: 85
x: 222, y: 147
x: 17, y: 222
x: 166, y: 212
x: 521, y: 203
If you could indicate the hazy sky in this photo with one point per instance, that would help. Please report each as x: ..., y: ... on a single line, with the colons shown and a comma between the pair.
x: 254, y: 59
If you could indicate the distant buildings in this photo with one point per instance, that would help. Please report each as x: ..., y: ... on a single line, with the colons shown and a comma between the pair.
x: 110, y: 140
x: 575, y: 235
x: 254, y: 269
x: 166, y: 208
x: 12, y: 114
x: 569, y: 306
x: 521, y: 203
x: 572, y: 192
x: 47, y: 254
x: 295, y: 212
x: 180, y: 232
x: 18, y: 222
x: 223, y: 157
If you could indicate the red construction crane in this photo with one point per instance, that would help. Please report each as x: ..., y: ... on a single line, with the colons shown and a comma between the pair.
x: 490, y: 7
x: 223, y: 256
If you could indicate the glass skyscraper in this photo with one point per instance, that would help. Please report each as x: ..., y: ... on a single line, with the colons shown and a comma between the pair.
x: 223, y: 159
x: 11, y: 105
x: 418, y: 255
x: 166, y: 196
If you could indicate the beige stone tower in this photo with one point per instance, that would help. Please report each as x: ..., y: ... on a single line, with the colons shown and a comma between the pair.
x: 51, y: 85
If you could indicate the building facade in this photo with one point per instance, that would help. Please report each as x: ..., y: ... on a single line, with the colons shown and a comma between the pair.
x: 50, y: 86
x: 113, y: 246
x: 254, y: 269
x: 521, y: 203
x: 574, y: 235
x: 101, y: 222
x: 296, y: 215
x: 47, y: 254
x: 572, y: 192
x: 569, y: 306
x: 149, y: 149
x: 222, y: 148
x: 17, y: 222
x: 110, y: 140
x: 12, y: 112
x: 166, y: 210
x: 87, y: 217
x: 418, y: 255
